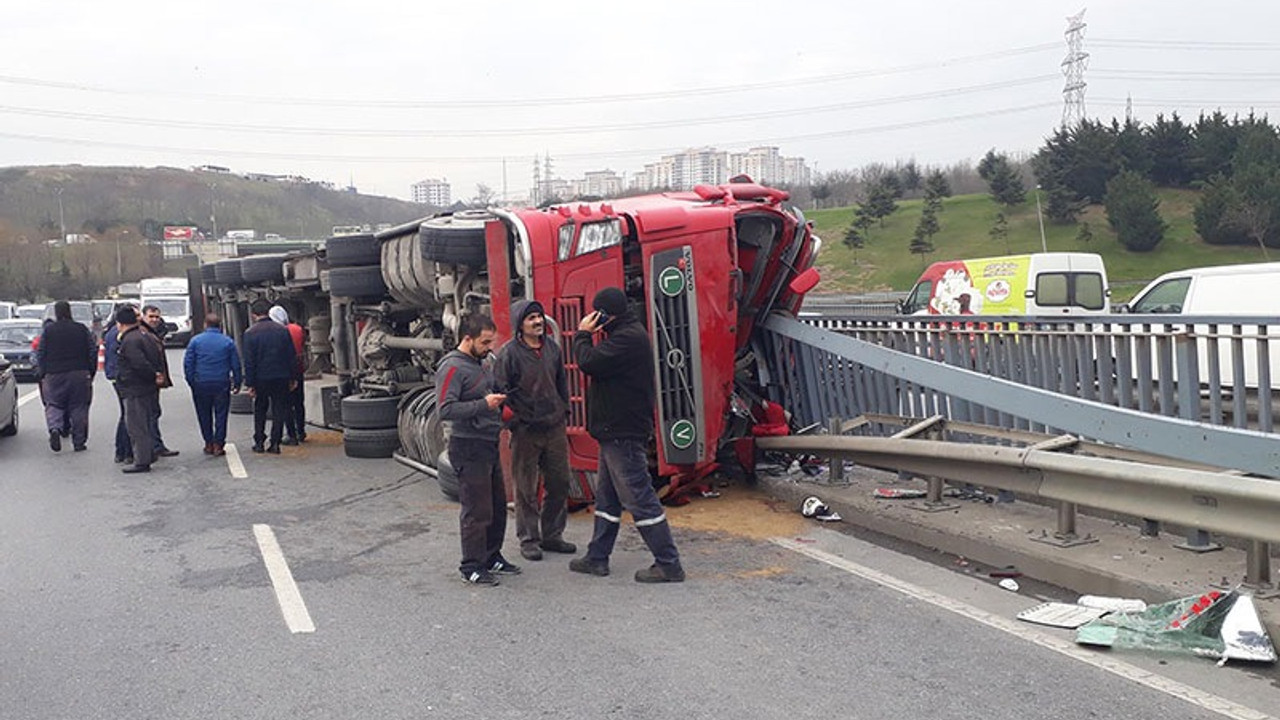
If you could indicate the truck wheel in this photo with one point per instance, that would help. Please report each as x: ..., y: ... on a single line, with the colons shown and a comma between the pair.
x: 447, y: 476
x: 370, y: 413
x: 361, y: 283
x: 262, y: 268
x: 456, y: 239
x: 227, y: 272
x: 241, y: 403
x: 380, y: 443
x: 352, y: 250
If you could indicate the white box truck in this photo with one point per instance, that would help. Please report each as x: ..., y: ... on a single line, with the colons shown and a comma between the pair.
x: 170, y: 295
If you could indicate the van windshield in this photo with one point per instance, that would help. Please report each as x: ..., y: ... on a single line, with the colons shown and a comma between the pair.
x: 918, y: 299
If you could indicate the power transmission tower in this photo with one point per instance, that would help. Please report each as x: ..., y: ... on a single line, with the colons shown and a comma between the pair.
x: 1073, y: 67
x: 537, y: 182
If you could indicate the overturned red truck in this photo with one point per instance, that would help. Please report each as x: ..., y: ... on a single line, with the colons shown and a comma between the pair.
x: 701, y: 268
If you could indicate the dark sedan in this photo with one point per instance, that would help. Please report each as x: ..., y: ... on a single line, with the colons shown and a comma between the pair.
x: 16, y: 346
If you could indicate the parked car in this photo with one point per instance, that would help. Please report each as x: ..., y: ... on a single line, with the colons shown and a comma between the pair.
x: 8, y: 310
x: 30, y: 311
x: 8, y: 399
x: 17, y: 346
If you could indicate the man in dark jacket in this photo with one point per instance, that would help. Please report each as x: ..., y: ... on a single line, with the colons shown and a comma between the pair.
x: 268, y: 373
x: 212, y: 369
x: 620, y: 406
x: 154, y: 325
x: 110, y: 365
x: 68, y: 358
x: 530, y: 370
x: 139, y: 376
x: 468, y: 402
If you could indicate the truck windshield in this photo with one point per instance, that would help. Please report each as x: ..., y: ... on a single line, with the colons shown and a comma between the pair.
x: 169, y: 307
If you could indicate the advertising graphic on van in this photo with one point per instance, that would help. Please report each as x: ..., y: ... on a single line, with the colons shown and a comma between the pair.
x: 978, y: 287
x: 1057, y: 283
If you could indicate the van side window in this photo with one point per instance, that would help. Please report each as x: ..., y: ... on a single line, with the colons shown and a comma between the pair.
x: 1165, y: 298
x: 1065, y: 289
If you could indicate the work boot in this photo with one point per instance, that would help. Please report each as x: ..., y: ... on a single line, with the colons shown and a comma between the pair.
x: 558, y: 546
x: 274, y: 448
x: 130, y: 469
x: 656, y: 573
x: 530, y: 552
x: 257, y: 447
x: 290, y: 441
x: 219, y: 449
x: 79, y: 447
x: 55, y: 441
x: 208, y: 448
x: 587, y: 566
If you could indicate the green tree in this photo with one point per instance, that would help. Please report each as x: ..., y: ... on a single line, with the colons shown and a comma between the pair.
x: 1085, y: 235
x: 920, y: 245
x: 882, y: 198
x: 1133, y: 210
x: 999, y: 232
x: 855, y: 239
x: 910, y: 176
x: 1004, y: 181
x: 1170, y: 143
x: 936, y: 187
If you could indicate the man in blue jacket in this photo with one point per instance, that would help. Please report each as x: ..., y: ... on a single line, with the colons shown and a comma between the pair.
x: 268, y: 373
x: 212, y: 369
x: 468, y: 401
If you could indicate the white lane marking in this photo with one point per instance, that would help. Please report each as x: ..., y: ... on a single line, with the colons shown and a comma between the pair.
x: 28, y: 397
x: 234, y: 463
x: 291, y: 605
x: 1195, y: 696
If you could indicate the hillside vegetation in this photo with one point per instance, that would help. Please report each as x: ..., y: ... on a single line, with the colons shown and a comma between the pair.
x: 966, y: 220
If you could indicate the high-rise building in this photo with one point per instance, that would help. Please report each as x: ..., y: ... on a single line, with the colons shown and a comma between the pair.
x: 432, y: 192
x: 599, y: 183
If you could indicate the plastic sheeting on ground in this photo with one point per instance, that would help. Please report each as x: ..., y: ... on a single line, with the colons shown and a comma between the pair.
x: 1217, y: 624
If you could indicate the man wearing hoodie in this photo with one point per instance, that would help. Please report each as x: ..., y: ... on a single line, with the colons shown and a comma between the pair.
x: 530, y: 370
x: 268, y: 373
x: 295, y: 415
x: 620, y: 407
x: 468, y: 401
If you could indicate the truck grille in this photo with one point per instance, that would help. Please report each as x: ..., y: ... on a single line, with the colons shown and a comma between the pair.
x: 568, y: 314
x: 677, y: 362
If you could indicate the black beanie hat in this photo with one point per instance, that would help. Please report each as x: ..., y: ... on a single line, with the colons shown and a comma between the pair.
x: 612, y: 301
x: 126, y: 316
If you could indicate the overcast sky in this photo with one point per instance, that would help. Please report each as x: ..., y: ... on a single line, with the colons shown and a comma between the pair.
x: 388, y: 93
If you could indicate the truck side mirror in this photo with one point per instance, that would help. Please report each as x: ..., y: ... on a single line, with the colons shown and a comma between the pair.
x: 805, y: 281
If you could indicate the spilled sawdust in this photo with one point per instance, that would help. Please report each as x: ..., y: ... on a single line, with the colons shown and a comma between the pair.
x: 739, y: 511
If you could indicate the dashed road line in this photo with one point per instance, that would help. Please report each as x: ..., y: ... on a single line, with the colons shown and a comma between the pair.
x: 1195, y: 696
x: 292, y: 607
x: 234, y: 463
x: 28, y: 397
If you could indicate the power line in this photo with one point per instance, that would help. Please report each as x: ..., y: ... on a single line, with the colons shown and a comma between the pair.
x: 1139, y: 44
x: 521, y: 131
x: 528, y: 102
x: 1188, y: 75
x: 498, y: 158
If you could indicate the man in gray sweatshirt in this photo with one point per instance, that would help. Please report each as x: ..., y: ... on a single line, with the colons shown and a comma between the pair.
x: 530, y: 370
x: 468, y: 402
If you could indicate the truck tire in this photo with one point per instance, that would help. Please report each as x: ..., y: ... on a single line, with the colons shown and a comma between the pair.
x: 262, y: 268
x: 352, y: 250
x: 227, y: 272
x: 361, y: 283
x: 447, y: 476
x: 370, y: 413
x: 380, y: 443
x: 241, y: 403
x: 456, y: 239
x: 409, y: 276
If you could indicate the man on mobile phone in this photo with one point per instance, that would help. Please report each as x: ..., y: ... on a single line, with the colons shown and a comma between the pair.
x: 620, y: 407
x: 467, y: 401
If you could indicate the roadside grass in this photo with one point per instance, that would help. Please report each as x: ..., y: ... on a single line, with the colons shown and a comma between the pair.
x: 966, y: 220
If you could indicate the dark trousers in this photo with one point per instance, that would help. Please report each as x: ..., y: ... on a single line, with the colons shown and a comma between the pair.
x: 212, y: 405
x: 623, y: 482
x: 296, y: 426
x: 483, y: 519
x: 138, y: 415
x: 546, y: 452
x: 156, y: 438
x: 124, y: 446
x: 66, y: 402
x: 273, y: 395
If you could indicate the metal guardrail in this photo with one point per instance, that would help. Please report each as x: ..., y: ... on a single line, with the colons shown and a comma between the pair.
x: 1100, y: 380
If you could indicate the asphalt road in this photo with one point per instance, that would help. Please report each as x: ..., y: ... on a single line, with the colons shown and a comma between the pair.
x: 147, y: 597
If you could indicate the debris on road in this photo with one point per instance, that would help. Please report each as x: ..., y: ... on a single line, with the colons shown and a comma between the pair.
x: 1008, y: 571
x: 1063, y: 615
x: 1009, y: 584
x: 813, y: 507
x: 1217, y: 624
x: 898, y: 493
x: 1112, y: 604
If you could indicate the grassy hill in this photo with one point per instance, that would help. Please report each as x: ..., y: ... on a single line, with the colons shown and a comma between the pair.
x: 885, y: 263
x: 95, y: 199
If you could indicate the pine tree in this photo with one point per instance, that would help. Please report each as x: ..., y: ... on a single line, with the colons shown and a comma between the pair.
x: 1000, y: 232
x: 1133, y: 212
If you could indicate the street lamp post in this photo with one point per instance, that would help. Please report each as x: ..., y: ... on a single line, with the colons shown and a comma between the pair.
x: 1044, y: 246
x: 62, y: 222
x: 119, y: 264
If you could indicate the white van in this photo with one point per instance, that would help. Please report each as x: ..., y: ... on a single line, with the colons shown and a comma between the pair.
x: 1222, y: 291
x: 1059, y: 283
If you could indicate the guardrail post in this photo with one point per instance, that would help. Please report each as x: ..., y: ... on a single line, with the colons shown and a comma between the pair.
x: 1150, y: 528
x: 1065, y: 536
x: 835, y: 471
x: 1257, y: 577
x: 1198, y: 541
